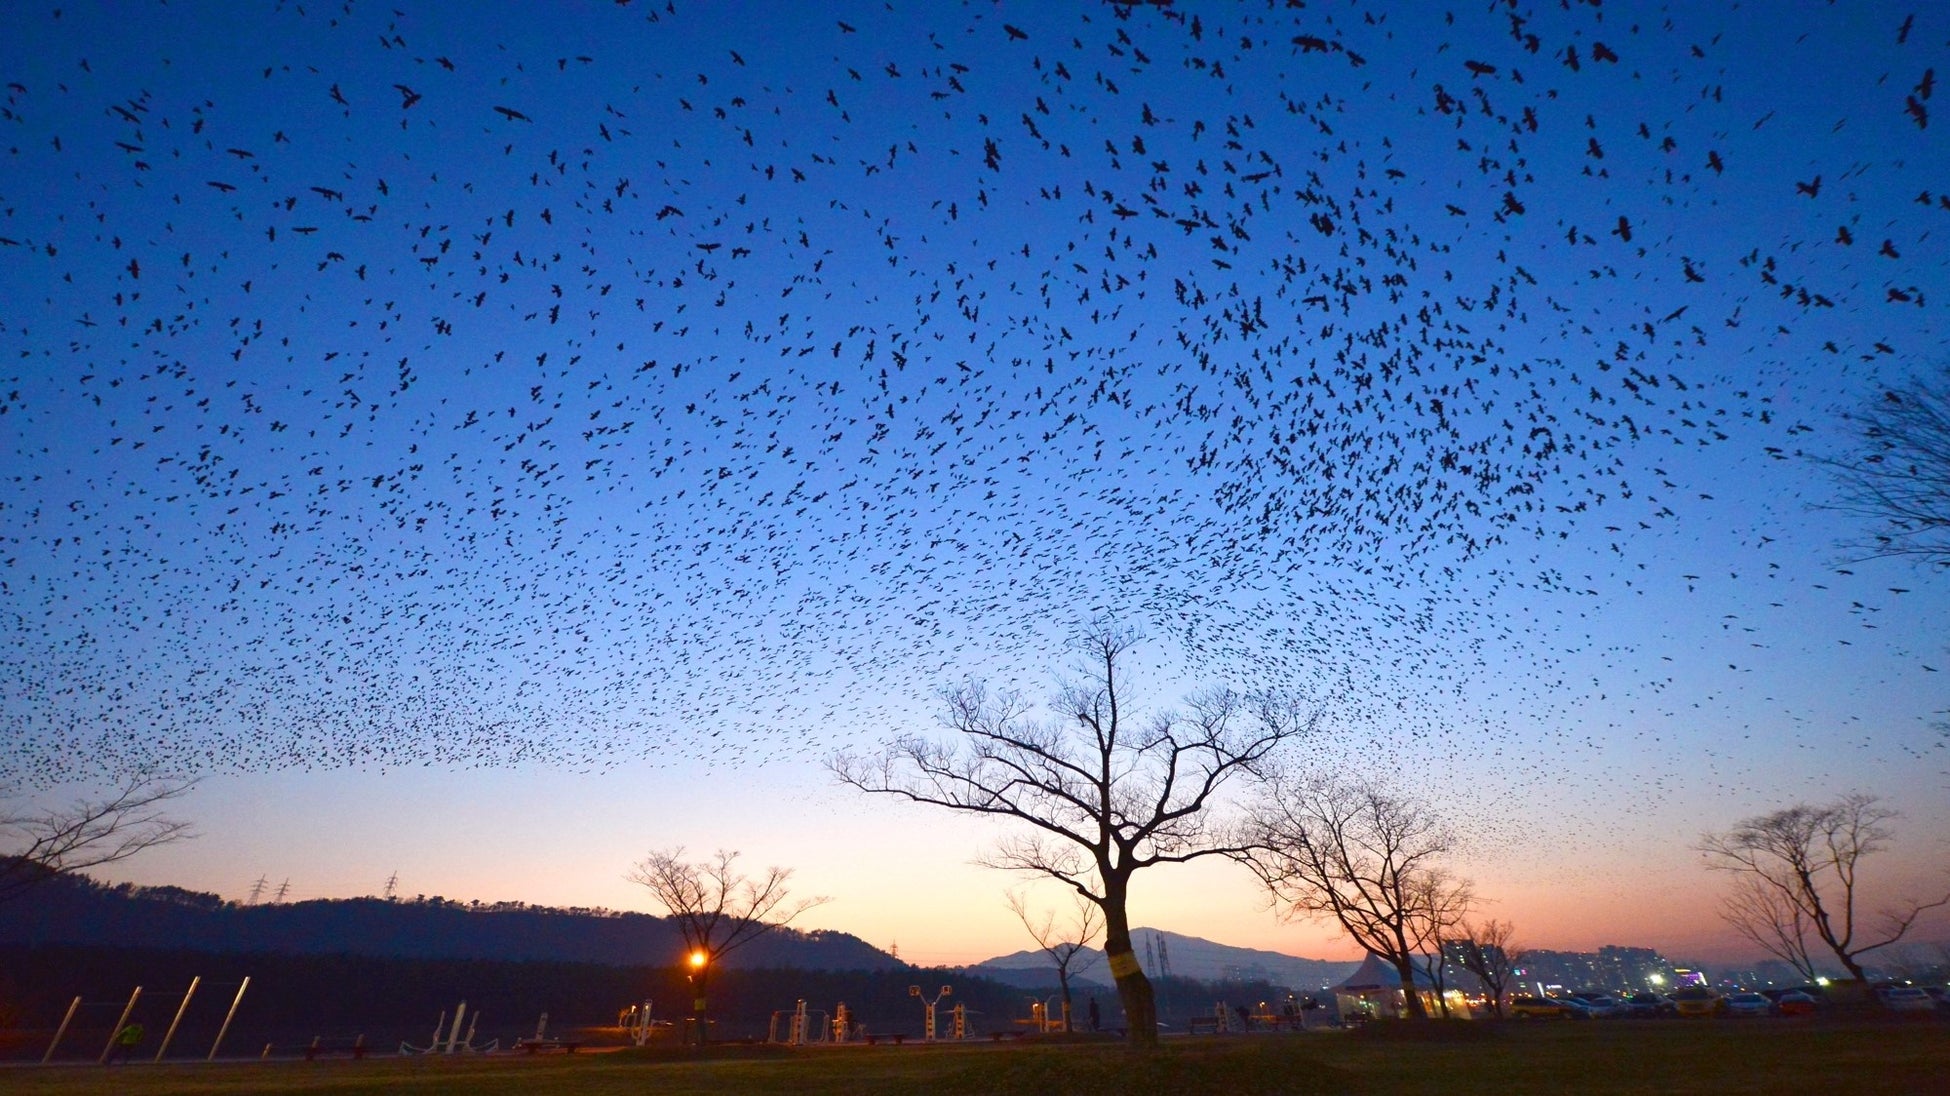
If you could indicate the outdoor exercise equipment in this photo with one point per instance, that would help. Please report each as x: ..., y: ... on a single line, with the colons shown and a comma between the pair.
x: 635, y: 1022
x: 930, y: 1003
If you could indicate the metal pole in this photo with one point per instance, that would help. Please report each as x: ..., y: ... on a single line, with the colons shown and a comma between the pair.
x: 60, y: 1031
x: 117, y: 1029
x: 453, y: 1037
x: 234, y: 1002
x: 180, y: 1010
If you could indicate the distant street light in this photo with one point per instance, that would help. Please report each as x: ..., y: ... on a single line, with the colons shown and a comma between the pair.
x: 699, y: 960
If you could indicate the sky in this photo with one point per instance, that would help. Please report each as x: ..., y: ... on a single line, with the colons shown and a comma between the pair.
x: 484, y: 448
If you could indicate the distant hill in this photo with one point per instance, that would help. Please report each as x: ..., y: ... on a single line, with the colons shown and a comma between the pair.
x: 1190, y: 957
x: 79, y: 910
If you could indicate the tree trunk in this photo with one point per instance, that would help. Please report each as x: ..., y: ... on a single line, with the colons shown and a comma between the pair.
x: 1411, y: 993
x: 1133, y: 988
x: 1855, y: 971
x: 1063, y: 979
x: 697, y: 1008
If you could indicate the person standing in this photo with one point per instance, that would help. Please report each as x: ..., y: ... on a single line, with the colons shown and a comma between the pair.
x: 1095, y: 1017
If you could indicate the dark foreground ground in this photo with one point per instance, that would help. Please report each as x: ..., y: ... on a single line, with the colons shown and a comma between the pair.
x: 1722, y: 1057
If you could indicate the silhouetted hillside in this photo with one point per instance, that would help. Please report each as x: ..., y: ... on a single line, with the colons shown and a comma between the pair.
x: 78, y: 910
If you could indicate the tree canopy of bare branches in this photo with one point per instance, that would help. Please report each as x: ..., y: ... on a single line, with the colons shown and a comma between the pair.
x: 88, y: 833
x: 1488, y: 950
x: 1798, y: 872
x: 1366, y: 859
x: 718, y: 908
x: 1062, y: 945
x: 1901, y: 477
x: 1097, y: 792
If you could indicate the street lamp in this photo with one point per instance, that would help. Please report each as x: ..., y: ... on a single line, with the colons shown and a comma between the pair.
x: 699, y: 959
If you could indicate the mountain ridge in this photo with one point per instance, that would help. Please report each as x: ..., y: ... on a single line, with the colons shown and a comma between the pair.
x: 1187, y: 957
x: 75, y: 909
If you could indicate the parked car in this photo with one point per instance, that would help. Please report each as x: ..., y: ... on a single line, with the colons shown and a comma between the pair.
x: 1541, y: 1008
x: 1747, y: 1004
x: 1580, y: 1009
x: 1647, y: 1005
x: 1696, y: 1001
x: 1601, y: 1006
x: 1794, y: 1003
x: 1906, y: 999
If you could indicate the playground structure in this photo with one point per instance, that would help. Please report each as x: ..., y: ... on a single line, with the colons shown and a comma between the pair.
x: 1042, y: 1020
x: 542, y: 1040
x: 453, y: 1043
x: 1230, y: 1019
x: 930, y: 1003
x: 128, y: 1010
x: 635, y: 1022
x: 802, y: 1026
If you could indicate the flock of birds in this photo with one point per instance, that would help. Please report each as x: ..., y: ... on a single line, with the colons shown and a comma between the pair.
x: 386, y: 387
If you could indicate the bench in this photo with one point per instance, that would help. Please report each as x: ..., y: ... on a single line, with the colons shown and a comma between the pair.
x: 1208, y: 1025
x: 874, y: 1040
x: 356, y: 1048
x: 536, y: 1046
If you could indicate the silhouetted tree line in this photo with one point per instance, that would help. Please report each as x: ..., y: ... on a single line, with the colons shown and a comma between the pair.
x: 77, y: 910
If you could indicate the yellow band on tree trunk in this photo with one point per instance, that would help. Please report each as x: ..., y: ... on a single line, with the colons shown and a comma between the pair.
x: 1123, y: 964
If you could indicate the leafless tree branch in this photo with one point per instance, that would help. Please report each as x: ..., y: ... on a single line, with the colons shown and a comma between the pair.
x: 1365, y: 858
x: 1799, y: 873
x: 1900, y: 479
x: 1490, y: 953
x: 1102, y: 793
x: 89, y: 833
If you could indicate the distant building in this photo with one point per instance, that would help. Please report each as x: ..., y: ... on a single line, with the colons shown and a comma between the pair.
x: 1612, y: 967
x: 1634, y: 969
x: 1455, y: 960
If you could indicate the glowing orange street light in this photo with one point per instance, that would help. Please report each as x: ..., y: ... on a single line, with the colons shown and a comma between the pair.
x: 698, y: 958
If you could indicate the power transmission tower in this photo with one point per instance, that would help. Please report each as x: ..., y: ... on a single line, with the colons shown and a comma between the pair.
x: 257, y: 889
x: 284, y: 888
x: 392, y: 884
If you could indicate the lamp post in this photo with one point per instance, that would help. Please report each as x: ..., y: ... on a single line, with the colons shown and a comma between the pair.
x: 700, y: 969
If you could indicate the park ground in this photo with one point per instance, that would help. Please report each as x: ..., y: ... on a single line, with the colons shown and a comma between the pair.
x: 1719, y: 1057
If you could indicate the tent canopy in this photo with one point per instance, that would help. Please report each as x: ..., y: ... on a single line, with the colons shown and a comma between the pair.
x: 1376, y: 973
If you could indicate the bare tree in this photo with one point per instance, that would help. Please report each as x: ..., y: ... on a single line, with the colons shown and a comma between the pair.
x: 1768, y: 917
x: 1442, y: 902
x: 1488, y: 950
x: 1901, y: 477
x: 1099, y: 792
x: 1065, y: 945
x: 1799, y: 872
x: 89, y: 832
x: 717, y: 908
x: 1366, y: 859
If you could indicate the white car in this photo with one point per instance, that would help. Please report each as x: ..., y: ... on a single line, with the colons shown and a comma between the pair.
x: 1906, y: 999
x: 1748, y: 1004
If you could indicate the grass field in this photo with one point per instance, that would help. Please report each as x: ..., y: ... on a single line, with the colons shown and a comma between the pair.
x: 1719, y: 1057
